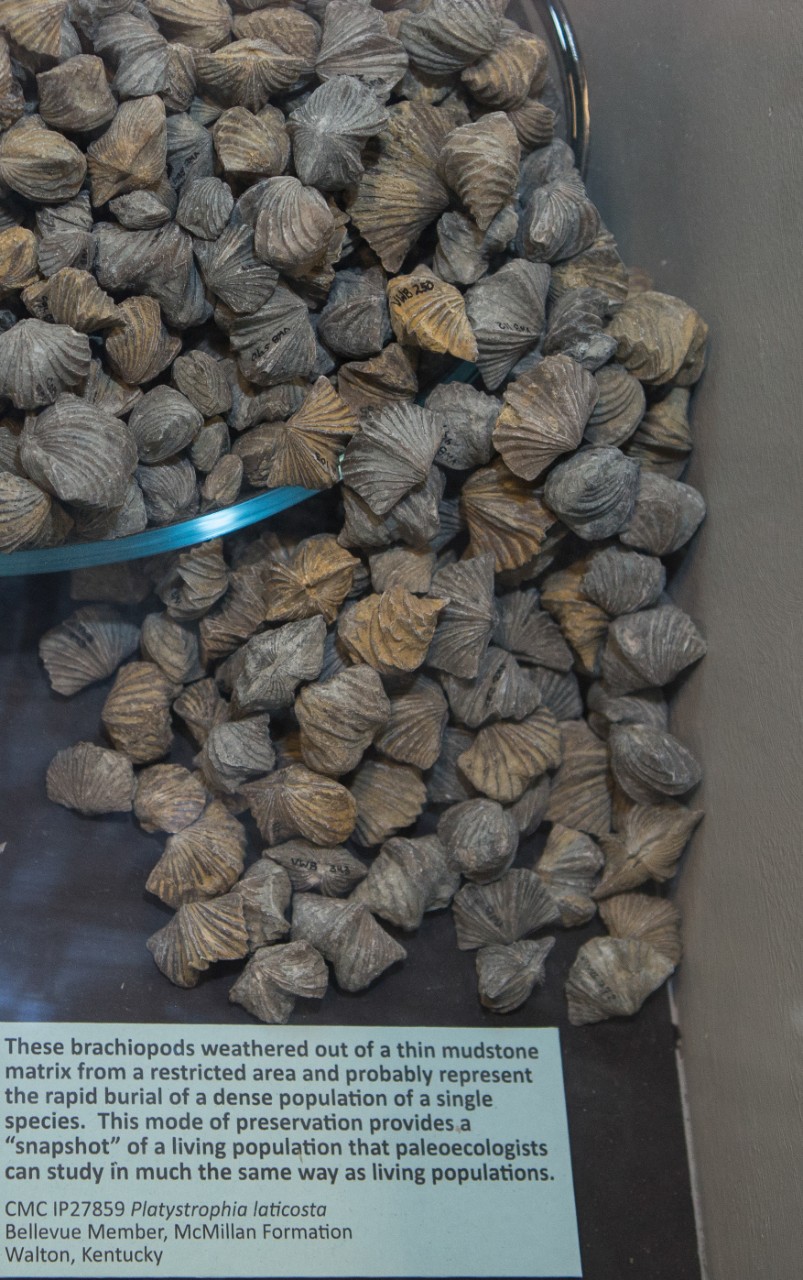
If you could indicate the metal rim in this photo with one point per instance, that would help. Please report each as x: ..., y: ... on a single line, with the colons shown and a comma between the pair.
x: 563, y: 38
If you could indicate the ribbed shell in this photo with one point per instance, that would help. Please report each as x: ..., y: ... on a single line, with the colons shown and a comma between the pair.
x: 530, y: 808
x: 622, y: 581
x: 529, y: 633
x: 464, y: 626
x: 392, y: 631
x: 505, y: 758
x: 275, y: 975
x: 292, y: 31
x: 392, y: 453
x: 644, y: 919
x: 501, y: 690
x: 646, y: 846
x: 348, y: 935
x: 481, y: 839
x: 339, y: 717
x: 502, y: 912
x: 506, y: 975
x: 297, y: 802
x: 648, y: 649
x: 605, y: 708
x: 201, y: 707
x: 65, y: 239
x: 247, y: 72
x: 202, y: 24
x: 389, y: 798
x: 558, y: 221
x: 272, y: 665
x: 666, y: 515
x: 593, y: 492
x: 506, y: 311
x: 464, y: 252
x: 163, y: 423
x: 265, y: 892
x: 39, y: 361
x: 598, y: 267
x: 136, y: 713
x: 35, y: 28
x: 509, y: 73
x: 205, y: 207
x: 39, y: 163
x: 584, y: 625
x: 78, y: 453
x: 251, y: 146
x: 569, y: 867
x: 316, y: 579
x: 663, y: 439
x: 445, y: 37
x: 426, y: 312
x: 619, y: 407
x: 199, y: 934
x: 132, y: 152
x: 468, y: 417
x: 480, y: 162
x: 169, y: 490
x: 413, y: 734
x: 306, y: 449
x: 561, y: 693
x: 371, y: 384
x: 544, y: 415
x: 330, y: 130
x: 580, y: 797
x: 18, y: 263
x: 91, y: 780
x: 331, y: 872
x: 202, y: 861
x: 406, y: 879
x: 277, y: 342
x: 74, y: 299
x: 355, y: 320
x: 168, y: 798
x: 235, y: 752
x: 356, y: 42
x: 657, y: 335
x: 76, y: 97
x: 233, y: 272
x: 612, y: 977
x: 294, y: 225
x: 446, y: 783
x: 194, y: 581
x: 650, y: 764
x: 86, y: 647
x: 504, y: 517
x: 141, y: 348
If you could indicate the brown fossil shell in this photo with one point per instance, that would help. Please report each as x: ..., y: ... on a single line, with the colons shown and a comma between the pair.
x: 199, y: 934
x: 529, y: 809
x: 534, y: 123
x: 355, y: 321
x: 464, y: 251
x: 408, y: 567
x: 141, y: 348
x: 233, y: 272
x: 276, y: 343
x: 468, y: 417
x: 504, y: 517
x: 481, y: 839
x: 202, y: 380
x: 294, y: 801
x: 275, y: 976
x: 18, y: 260
x: 558, y: 221
x: 330, y: 129
x: 86, y: 647
x: 443, y: 39
x: 201, y: 24
x: 446, y: 783
x: 371, y: 384
x: 427, y: 312
x: 113, y: 522
x: 648, y: 649
x: 201, y: 707
x: 78, y: 453
x: 641, y: 918
x: 202, y: 861
x: 265, y: 892
x: 666, y: 515
x: 136, y: 713
x: 389, y: 798
x: 650, y: 764
x: 506, y: 757
x: 73, y: 298
x: 402, y: 192
x: 356, y: 42
x: 251, y: 146
x: 316, y: 579
x: 106, y: 392
x: 294, y: 32
x: 598, y: 267
x: 619, y: 407
x: 331, y: 872
x: 622, y: 581
x: 584, y: 625
x: 416, y: 519
x: 414, y: 731
x: 65, y: 239
x: 392, y: 453
x: 235, y: 752
x: 605, y: 708
x: 339, y: 717
x: 502, y: 912
x: 593, y: 492
x: 247, y: 72
x: 132, y: 153
x: 663, y: 440
x: 39, y: 163
x: 612, y: 977
x: 163, y: 423
x: 506, y: 975
x: 205, y: 207
x: 75, y: 97
x: 480, y: 162
x: 569, y: 867
x: 659, y: 336
x: 348, y: 935
x: 169, y: 489
x: 194, y: 581
x: 529, y: 633
x: 646, y: 846
x: 506, y: 75
x: 91, y: 780
x: 168, y: 798
x: 580, y: 797
x: 272, y: 665
x: 392, y: 631
x: 407, y: 878
x: 501, y: 690
x: 293, y: 227
x: 506, y: 311
x: 12, y: 99
x: 544, y: 415
x: 465, y: 625
x: 39, y: 361
x: 305, y: 450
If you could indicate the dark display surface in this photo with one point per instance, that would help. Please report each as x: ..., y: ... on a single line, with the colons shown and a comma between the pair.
x: 74, y: 918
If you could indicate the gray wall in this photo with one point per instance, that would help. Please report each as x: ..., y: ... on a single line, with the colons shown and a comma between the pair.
x: 697, y: 166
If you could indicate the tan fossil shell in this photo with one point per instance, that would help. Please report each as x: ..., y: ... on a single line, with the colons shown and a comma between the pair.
x: 644, y: 919
x: 305, y: 450
x: 659, y: 337
x: 481, y: 839
x: 78, y: 453
x: 504, y: 516
x: 247, y: 72
x: 371, y: 384
x: 265, y: 892
x: 194, y: 581
x: 295, y: 32
x: 506, y: 757
x: 443, y: 39
x: 663, y: 440
x: 649, y: 648
x: 201, y: 24
x: 646, y: 846
x: 622, y: 582
x: 275, y: 976
x: 584, y: 625
x: 389, y: 798
x: 136, y: 713
x: 39, y: 361
x: 338, y: 718
x: 75, y: 97
x: 91, y: 780
x: 392, y: 631
x: 666, y: 514
x: 612, y: 977
x: 505, y: 76
x: 248, y: 145
x: 201, y: 707
x: 199, y: 934
x: 406, y: 879
x: 650, y: 764
x: 356, y: 42
x: 619, y: 407
x: 168, y: 798
x: 558, y: 220
x: 480, y: 162
x: 569, y: 867
x: 18, y: 260
x: 330, y: 129
x: 294, y: 801
x: 73, y: 298
x: 506, y: 312
x: 87, y: 646
x: 502, y: 912
x: 316, y: 579
x: 593, y: 492
x: 36, y: 29
x: 501, y: 690
x: 332, y: 872
x: 506, y: 974
x: 409, y: 567
x: 348, y: 935
x: 140, y: 348
x: 544, y: 415
x: 39, y: 163
x: 392, y: 453
x: 201, y: 861
x: 236, y: 751
x: 464, y: 626
x: 132, y: 152
x: 529, y: 633
x: 223, y: 483
x: 271, y: 666
x: 414, y: 731
x: 427, y: 312
x: 580, y: 797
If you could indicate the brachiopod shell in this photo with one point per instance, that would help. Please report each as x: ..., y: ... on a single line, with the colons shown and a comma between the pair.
x: 356, y: 42
x: 480, y: 162
x: 199, y: 934
x: 468, y: 418
x: 265, y: 892
x: 389, y: 798
x: 650, y: 763
x: 619, y: 407
x: 507, y: 974
x: 39, y: 163
x: 544, y: 415
x: 87, y: 646
x: 271, y: 666
x: 391, y: 632
x: 407, y: 878
x: 504, y: 516
x: 593, y: 492
x: 612, y: 977
x: 297, y: 802
x: 332, y: 872
x: 660, y: 338
x: 444, y: 38
x: 644, y: 919
x: 201, y: 707
x: 132, y: 153
x: 168, y: 798
x: 163, y: 423
x: 75, y: 97
x: 251, y: 146
x: 502, y: 912
x: 666, y: 514
x: 39, y: 361
x: 235, y: 752
x: 580, y: 797
x: 347, y: 934
x: 622, y: 581
x: 316, y: 579
x: 275, y: 976
x: 233, y: 272
x: 136, y: 713
x: 481, y: 839
x: 413, y: 733
x: 506, y: 312
x: 501, y: 690
x: 650, y: 648
x: 392, y: 453
x: 505, y: 758
x: 529, y: 633
x: 427, y: 312
x: 569, y: 867
x: 339, y: 717
x: 647, y: 845
x: 79, y: 454
x: 201, y: 861
x: 330, y: 129
x: 91, y: 780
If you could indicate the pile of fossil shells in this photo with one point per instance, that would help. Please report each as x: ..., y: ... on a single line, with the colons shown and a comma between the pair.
x: 328, y: 246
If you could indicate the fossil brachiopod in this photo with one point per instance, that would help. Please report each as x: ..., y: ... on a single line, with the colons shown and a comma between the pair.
x: 235, y: 752
x: 506, y: 757
x: 504, y: 516
x: 646, y: 845
x: 339, y: 717
x: 507, y: 973
x: 612, y: 977
x: 275, y: 976
x: 581, y: 789
x: 199, y: 934
x: 427, y: 312
x: 295, y: 801
x: 481, y: 839
x: 544, y: 415
x: 389, y: 798
x: 407, y: 878
x: 348, y: 935
x: 506, y: 312
x: 87, y: 646
x: 168, y: 798
x: 91, y: 780
x: 332, y: 872
x: 392, y: 631
x: 202, y: 860
x: 650, y: 764
x: 392, y: 452
x: 414, y: 729
x: 39, y: 361
x: 39, y: 163
x: 569, y: 867
x: 644, y: 919
x: 136, y: 714
x: 502, y: 912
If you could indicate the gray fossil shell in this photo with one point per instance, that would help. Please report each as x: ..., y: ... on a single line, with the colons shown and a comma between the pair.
x: 265, y: 891
x: 251, y: 146
x: 276, y: 343
x: 597, y: 267
x: 203, y: 381
x: 660, y: 339
x: 407, y: 567
x: 605, y: 708
x: 275, y: 976
x: 144, y: 210
x: 501, y: 690
x: 650, y: 648
x: 502, y: 912
x: 544, y: 415
x: 576, y: 328
x: 39, y: 361
x: 392, y: 453
x: 665, y: 516
x: 663, y: 441
x: 91, y: 780
x: 348, y: 935
x: 75, y: 97
x: 40, y: 164
x: 530, y: 809
x: 205, y: 207
x: 413, y: 733
x: 465, y: 624
x: 295, y: 801
x: 24, y: 511
x: 355, y: 322
x: 132, y: 153
x: 371, y: 384
x: 169, y: 489
x: 443, y: 39
x: 168, y: 798
x: 509, y: 73
x: 621, y: 581
x: 569, y: 867
x: 234, y: 273
x: 642, y: 918
x: 331, y: 872
x: 330, y: 129
x: 612, y: 977
x: 619, y: 408
x: 481, y: 839
x: 271, y: 666
x: 506, y: 974
x: 468, y: 417
x: 235, y: 752
x: 339, y: 717
x: 464, y: 251
x: 163, y: 423
x: 247, y: 72
x: 140, y: 348
x: 558, y: 691
x: 650, y: 764
x: 529, y: 633
x: 65, y: 235
x: 78, y: 453
x: 506, y: 311
x: 593, y: 492
x: 194, y: 581
x: 558, y: 221
x: 199, y: 934
x: 446, y: 783
x: 86, y: 647
x: 293, y: 227
x: 356, y: 42
x: 480, y: 162
x: 406, y: 879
